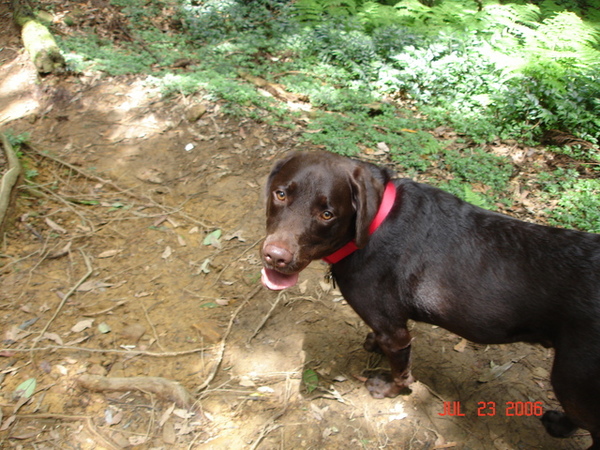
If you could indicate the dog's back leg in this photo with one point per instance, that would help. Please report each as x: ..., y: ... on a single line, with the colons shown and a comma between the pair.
x: 576, y: 382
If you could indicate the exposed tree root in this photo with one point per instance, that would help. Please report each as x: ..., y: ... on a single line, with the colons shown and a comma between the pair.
x: 162, y: 387
x: 9, y: 179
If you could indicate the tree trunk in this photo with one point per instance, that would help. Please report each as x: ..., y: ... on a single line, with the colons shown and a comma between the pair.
x: 37, y: 39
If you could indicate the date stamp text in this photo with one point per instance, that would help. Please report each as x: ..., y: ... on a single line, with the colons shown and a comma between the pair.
x: 509, y: 409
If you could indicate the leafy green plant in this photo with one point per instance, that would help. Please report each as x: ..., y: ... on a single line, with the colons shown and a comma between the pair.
x: 348, y: 133
x: 577, y: 200
x: 477, y: 166
x: 317, y: 10
x: 17, y: 140
x: 310, y: 380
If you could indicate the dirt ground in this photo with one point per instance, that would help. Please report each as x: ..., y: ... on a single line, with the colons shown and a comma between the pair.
x: 134, y: 253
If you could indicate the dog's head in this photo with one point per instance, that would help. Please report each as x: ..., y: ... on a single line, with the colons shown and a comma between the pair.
x: 316, y: 203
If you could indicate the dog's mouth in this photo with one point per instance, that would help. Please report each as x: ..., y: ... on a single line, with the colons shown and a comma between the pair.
x: 277, y: 281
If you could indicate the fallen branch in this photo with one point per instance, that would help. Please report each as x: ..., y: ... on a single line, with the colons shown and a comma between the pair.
x: 9, y: 179
x: 103, y: 350
x: 164, y: 388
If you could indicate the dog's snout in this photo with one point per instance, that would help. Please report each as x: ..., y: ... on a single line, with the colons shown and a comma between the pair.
x: 276, y: 256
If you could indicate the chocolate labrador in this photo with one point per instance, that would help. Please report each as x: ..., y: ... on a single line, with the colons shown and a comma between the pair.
x: 402, y: 250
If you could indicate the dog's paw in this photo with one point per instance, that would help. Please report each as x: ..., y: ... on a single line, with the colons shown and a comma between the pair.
x: 382, y: 385
x: 558, y: 425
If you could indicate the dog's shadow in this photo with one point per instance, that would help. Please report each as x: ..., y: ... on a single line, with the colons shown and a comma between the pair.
x: 475, y: 395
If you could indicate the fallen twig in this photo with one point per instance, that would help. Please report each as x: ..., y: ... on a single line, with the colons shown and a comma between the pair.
x: 264, y: 319
x: 234, y: 260
x: 49, y: 194
x: 151, y: 326
x: 164, y: 388
x: 84, y: 174
x: 221, y: 350
x: 66, y: 297
x: 271, y: 425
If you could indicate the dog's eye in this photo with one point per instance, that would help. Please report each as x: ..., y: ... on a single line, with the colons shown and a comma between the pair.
x: 280, y: 195
x: 326, y: 215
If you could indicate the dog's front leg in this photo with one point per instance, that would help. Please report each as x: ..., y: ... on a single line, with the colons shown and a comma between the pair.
x: 397, y: 347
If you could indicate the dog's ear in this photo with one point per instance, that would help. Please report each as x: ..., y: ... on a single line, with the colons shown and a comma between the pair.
x: 367, y: 192
x: 277, y: 167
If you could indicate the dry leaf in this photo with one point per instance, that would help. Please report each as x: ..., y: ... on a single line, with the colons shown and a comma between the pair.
x: 319, y: 413
x: 247, y: 382
x: 53, y: 337
x: 111, y: 417
x: 173, y: 222
x: 165, y: 415
x: 205, y: 267
x: 168, y: 435
x: 159, y: 221
x: 15, y: 334
x: 79, y: 340
x: 383, y: 148
x: 166, y: 253
x: 8, y: 422
x: 62, y: 252
x: 303, y: 286
x: 137, y: 440
x: 495, y: 372
x: 55, y: 226
x: 82, y: 325
x: 183, y: 413
x: 460, y: 347
x: 109, y: 253
x: 93, y: 284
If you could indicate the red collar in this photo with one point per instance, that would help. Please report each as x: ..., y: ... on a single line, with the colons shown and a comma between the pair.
x: 389, y: 196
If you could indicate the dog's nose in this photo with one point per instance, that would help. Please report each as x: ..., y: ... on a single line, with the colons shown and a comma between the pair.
x: 277, y: 256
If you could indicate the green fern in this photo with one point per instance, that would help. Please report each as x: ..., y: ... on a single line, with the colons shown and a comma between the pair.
x: 315, y: 10
x: 566, y: 32
x: 374, y: 15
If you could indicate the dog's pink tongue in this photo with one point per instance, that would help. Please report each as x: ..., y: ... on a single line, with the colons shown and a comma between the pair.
x: 277, y: 281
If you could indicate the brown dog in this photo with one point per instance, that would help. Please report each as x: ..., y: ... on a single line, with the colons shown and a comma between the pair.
x: 401, y: 250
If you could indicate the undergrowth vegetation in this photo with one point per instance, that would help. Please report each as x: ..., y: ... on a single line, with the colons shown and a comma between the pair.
x: 487, y: 69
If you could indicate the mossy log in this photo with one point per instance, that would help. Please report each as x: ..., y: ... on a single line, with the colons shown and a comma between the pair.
x: 37, y: 39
